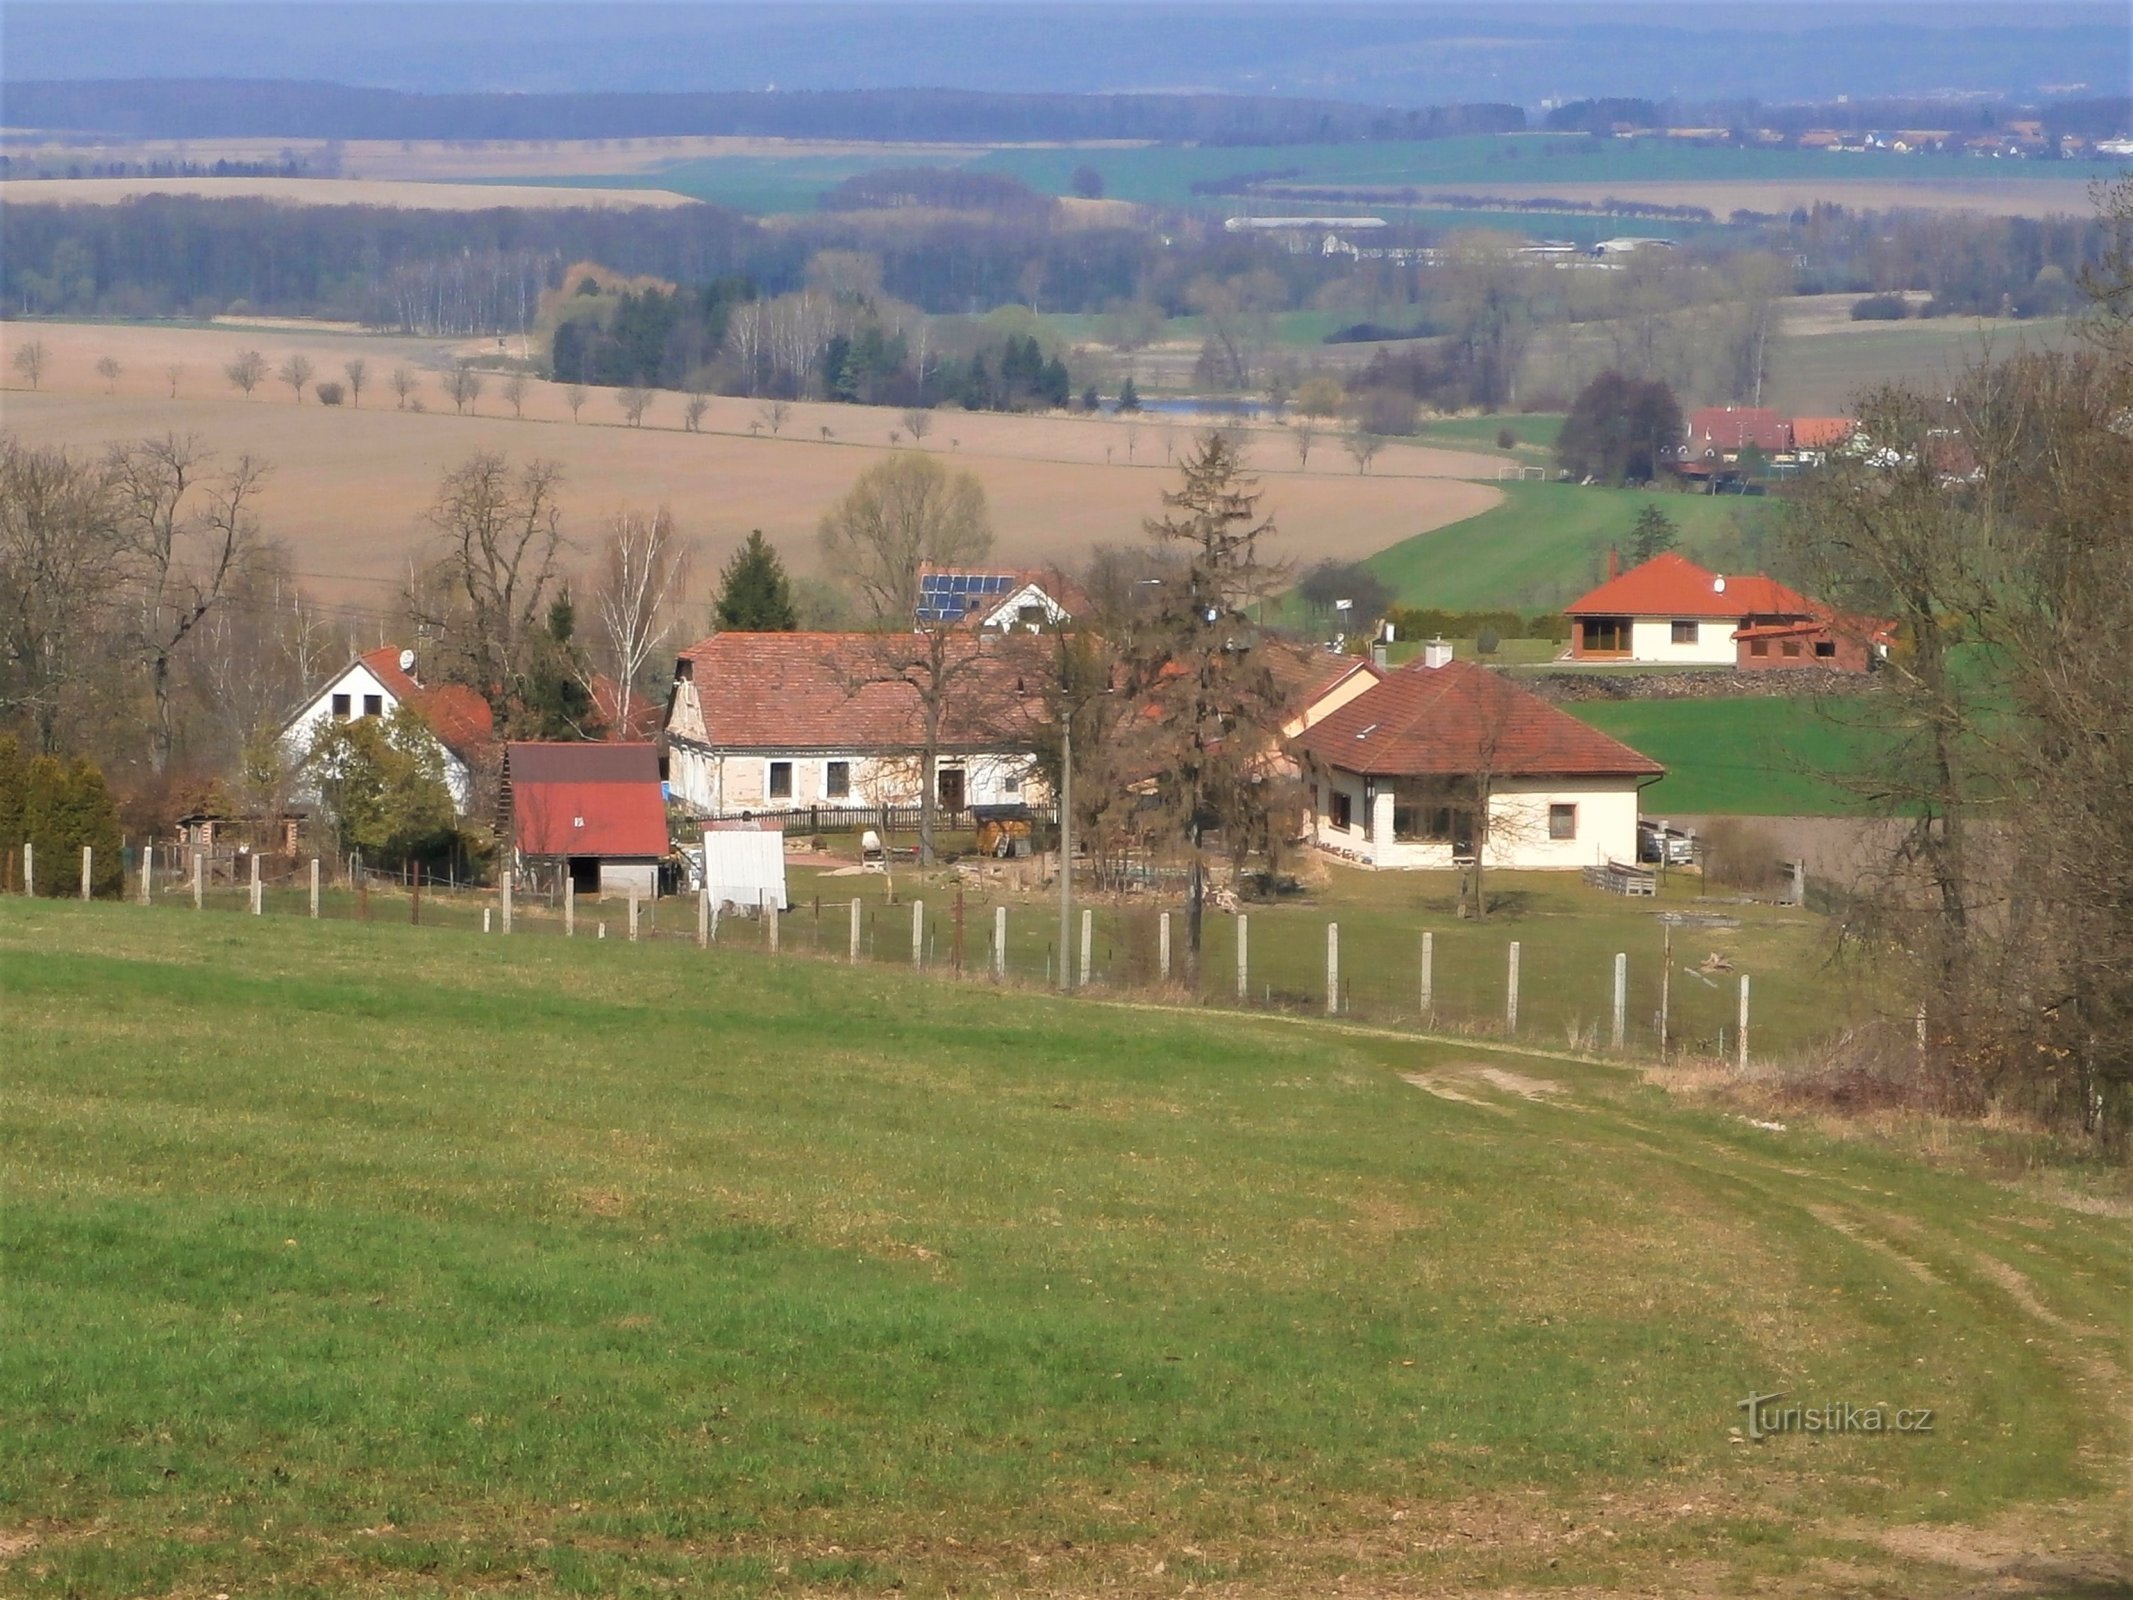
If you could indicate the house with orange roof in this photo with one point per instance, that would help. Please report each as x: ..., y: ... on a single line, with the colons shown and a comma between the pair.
x: 1671, y: 612
x: 1443, y: 761
x: 374, y: 685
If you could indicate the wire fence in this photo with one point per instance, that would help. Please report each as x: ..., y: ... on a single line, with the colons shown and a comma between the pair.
x: 1548, y: 987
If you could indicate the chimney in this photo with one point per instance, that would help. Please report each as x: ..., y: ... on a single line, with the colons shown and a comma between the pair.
x: 1614, y: 562
x: 1436, y: 654
x: 1378, y: 655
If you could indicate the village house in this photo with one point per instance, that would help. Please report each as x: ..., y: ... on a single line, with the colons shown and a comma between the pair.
x: 596, y: 811
x: 377, y: 682
x: 1403, y: 775
x: 826, y: 722
x: 1000, y: 599
x: 1671, y: 612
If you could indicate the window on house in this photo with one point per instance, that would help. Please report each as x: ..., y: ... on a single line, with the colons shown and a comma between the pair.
x: 341, y: 703
x: 837, y: 780
x: 1792, y: 647
x: 1684, y: 632
x: 1758, y: 647
x: 1825, y: 648
x: 1607, y: 633
x: 1342, y: 810
x: 1012, y: 783
x: 780, y: 780
x: 1428, y: 822
x: 1562, y: 822
x: 373, y: 705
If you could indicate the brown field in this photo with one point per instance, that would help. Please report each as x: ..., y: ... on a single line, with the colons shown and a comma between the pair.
x: 407, y: 193
x: 349, y: 486
x: 1999, y: 197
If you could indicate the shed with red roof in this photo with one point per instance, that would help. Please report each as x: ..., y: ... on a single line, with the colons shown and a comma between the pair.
x: 597, y: 809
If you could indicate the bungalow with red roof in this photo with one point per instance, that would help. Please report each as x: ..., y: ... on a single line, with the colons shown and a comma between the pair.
x: 837, y: 721
x: 377, y: 682
x: 1443, y: 759
x: 1671, y: 612
x: 595, y: 810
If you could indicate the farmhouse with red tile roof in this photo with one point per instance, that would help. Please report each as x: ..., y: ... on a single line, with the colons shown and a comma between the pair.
x: 374, y: 684
x: 1672, y: 612
x: 1399, y: 775
x: 836, y: 721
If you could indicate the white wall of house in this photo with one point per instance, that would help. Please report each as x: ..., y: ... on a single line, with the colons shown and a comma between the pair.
x: 1527, y: 830
x: 1652, y: 639
x: 713, y: 781
x: 354, y: 694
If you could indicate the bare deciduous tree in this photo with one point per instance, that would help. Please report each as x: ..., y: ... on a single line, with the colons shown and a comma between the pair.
x: 772, y: 414
x: 403, y: 383
x: 513, y: 390
x: 902, y: 513
x: 918, y: 422
x: 692, y: 414
x: 643, y: 568
x: 357, y: 371
x: 634, y: 401
x: 108, y: 368
x: 180, y: 551
x: 463, y: 385
x: 30, y: 361
x: 173, y: 373
x: 247, y: 372
x: 575, y: 397
x: 500, y: 538
x: 1362, y: 446
x: 296, y: 373
x: 58, y: 545
x: 1304, y: 431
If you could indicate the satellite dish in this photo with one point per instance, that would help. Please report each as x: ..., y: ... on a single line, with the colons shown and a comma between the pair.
x: 1719, y: 585
x: 407, y: 657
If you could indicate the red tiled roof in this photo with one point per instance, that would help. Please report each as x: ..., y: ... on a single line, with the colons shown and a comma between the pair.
x: 459, y: 717
x: 1671, y: 585
x: 1728, y: 428
x: 1304, y: 677
x: 847, y: 691
x: 1820, y: 433
x: 1452, y: 720
x: 586, y: 799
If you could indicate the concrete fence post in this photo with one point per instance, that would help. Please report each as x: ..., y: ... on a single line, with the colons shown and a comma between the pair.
x: 633, y: 913
x: 484, y: 919
x: 1162, y: 945
x: 1333, y: 969
x: 148, y: 874
x: 1510, y: 994
x: 1666, y: 988
x: 88, y: 874
x: 771, y: 910
x: 1429, y: 974
x: 504, y: 885
x: 570, y: 905
x: 199, y: 880
x: 999, y: 944
x: 1244, y: 956
x: 1621, y: 997
x: 1741, y: 1033
x: 29, y: 868
x: 857, y: 913
x: 314, y: 888
x: 918, y: 933
x: 703, y: 914
x: 258, y: 900
x: 1088, y: 944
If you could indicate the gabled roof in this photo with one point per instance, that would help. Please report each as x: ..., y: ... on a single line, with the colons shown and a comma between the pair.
x: 1737, y: 427
x: 1455, y: 720
x: 956, y: 594
x: 849, y: 691
x: 594, y: 799
x: 1671, y: 585
x: 1306, y: 677
x: 459, y: 717
x: 1820, y: 433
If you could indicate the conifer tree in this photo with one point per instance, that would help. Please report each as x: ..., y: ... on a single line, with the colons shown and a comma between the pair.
x: 754, y: 594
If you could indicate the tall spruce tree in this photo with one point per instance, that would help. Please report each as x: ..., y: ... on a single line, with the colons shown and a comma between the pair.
x: 754, y: 594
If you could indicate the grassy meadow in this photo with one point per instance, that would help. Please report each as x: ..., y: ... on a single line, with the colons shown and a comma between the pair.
x: 1764, y: 755
x: 366, y: 1260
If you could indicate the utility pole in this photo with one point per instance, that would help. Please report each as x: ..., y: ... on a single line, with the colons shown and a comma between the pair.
x: 1066, y: 848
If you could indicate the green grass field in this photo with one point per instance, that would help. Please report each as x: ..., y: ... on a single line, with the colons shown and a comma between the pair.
x: 1824, y: 374
x: 1759, y: 756
x: 359, y: 1259
x: 1537, y: 549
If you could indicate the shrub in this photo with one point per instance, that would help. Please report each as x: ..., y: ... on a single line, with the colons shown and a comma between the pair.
x: 1880, y: 308
x: 1506, y: 439
x: 1739, y: 855
x: 1486, y: 642
x: 329, y: 393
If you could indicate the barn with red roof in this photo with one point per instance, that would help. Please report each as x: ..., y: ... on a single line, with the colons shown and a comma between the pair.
x: 1443, y: 760
x: 595, y: 810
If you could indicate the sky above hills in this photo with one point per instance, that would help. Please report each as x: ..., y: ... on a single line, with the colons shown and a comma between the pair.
x: 1391, y: 53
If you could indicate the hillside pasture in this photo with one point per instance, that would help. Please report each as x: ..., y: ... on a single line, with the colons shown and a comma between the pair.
x: 365, y: 1259
x: 349, y: 486
x: 1761, y: 755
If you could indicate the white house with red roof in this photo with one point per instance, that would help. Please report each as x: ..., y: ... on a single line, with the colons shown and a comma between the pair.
x: 1670, y: 612
x: 1443, y: 760
x: 784, y: 722
x: 377, y: 682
